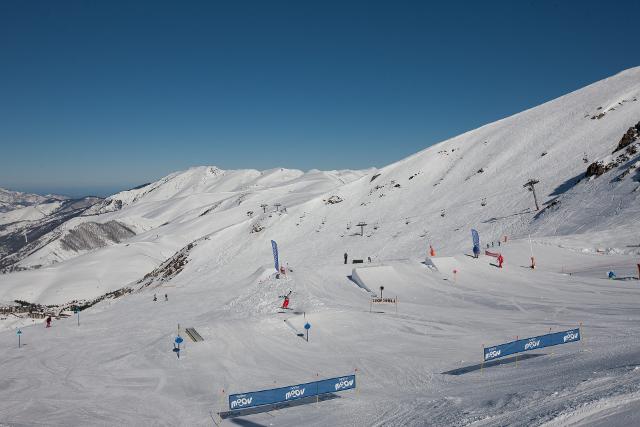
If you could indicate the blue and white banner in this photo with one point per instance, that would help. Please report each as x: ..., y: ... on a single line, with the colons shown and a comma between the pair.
x: 294, y: 392
x: 476, y: 238
x: 533, y: 343
x: 274, y: 246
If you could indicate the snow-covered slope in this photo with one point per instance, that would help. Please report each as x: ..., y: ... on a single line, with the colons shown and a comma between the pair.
x: 10, y: 200
x: 202, y: 236
x: 24, y: 230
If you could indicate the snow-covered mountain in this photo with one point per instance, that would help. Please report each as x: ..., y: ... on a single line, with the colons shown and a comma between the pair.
x: 11, y: 200
x: 26, y: 227
x: 203, y: 237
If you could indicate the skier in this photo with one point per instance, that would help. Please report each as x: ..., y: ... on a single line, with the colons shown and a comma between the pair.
x: 166, y: 297
x: 345, y: 257
x: 500, y: 260
x: 533, y: 263
x: 48, y: 322
x: 369, y: 258
x: 432, y: 252
x: 476, y: 251
x: 155, y: 298
x: 285, y: 303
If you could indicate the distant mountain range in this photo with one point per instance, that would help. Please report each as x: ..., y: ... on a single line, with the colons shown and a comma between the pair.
x: 25, y: 218
x: 12, y: 200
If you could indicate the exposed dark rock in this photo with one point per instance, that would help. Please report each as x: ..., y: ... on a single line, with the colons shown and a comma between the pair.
x: 595, y: 169
x: 257, y: 227
x: 631, y: 136
x: 333, y: 200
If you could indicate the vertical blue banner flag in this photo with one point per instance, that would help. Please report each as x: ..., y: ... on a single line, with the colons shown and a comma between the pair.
x: 476, y: 238
x: 274, y: 246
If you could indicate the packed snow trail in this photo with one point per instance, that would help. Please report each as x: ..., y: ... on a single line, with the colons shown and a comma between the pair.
x: 118, y: 363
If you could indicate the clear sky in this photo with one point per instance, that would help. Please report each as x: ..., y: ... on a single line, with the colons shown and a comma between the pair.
x: 100, y: 96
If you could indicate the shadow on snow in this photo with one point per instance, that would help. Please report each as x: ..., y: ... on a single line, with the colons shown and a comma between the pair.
x: 274, y: 407
x: 506, y: 361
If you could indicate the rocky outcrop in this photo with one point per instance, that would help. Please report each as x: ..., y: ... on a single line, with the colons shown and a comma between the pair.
x: 630, y: 143
x: 632, y: 135
x: 597, y: 169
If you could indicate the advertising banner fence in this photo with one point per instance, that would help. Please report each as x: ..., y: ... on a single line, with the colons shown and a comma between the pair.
x: 533, y: 343
x: 293, y: 392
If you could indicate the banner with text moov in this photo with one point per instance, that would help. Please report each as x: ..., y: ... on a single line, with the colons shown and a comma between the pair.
x: 289, y: 393
x: 533, y: 343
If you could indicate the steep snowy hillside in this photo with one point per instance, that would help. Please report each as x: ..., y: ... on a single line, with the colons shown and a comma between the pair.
x: 24, y: 230
x: 203, y: 238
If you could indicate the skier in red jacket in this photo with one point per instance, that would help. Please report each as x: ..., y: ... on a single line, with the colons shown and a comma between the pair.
x: 500, y: 260
x: 285, y: 303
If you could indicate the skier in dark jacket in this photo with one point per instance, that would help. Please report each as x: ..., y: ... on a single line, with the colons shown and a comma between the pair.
x: 345, y: 257
x: 48, y: 322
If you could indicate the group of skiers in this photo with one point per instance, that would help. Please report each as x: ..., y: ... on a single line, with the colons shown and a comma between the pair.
x: 166, y: 297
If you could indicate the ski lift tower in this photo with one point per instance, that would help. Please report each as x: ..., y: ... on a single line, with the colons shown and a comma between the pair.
x: 362, y: 225
x: 277, y: 205
x: 530, y: 185
x: 25, y: 237
x: 264, y: 207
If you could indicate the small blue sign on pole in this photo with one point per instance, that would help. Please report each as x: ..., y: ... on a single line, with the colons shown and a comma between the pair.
x: 176, y: 345
x: 307, y: 326
x: 18, y: 333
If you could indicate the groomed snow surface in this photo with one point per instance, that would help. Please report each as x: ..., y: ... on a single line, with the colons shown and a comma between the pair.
x: 117, y: 367
x: 417, y: 366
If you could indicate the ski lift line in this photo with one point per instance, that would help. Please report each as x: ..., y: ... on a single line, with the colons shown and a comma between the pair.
x: 438, y: 211
x: 450, y: 207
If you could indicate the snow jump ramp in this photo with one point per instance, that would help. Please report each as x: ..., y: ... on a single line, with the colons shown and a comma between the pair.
x: 444, y: 265
x: 372, y: 277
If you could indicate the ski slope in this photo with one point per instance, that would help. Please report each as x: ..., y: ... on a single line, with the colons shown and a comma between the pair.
x: 205, y: 233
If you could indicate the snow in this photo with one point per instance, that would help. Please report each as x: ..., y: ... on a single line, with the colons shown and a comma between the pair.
x: 29, y: 213
x: 419, y: 366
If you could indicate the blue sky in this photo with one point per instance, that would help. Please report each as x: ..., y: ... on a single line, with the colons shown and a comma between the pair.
x: 100, y: 96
